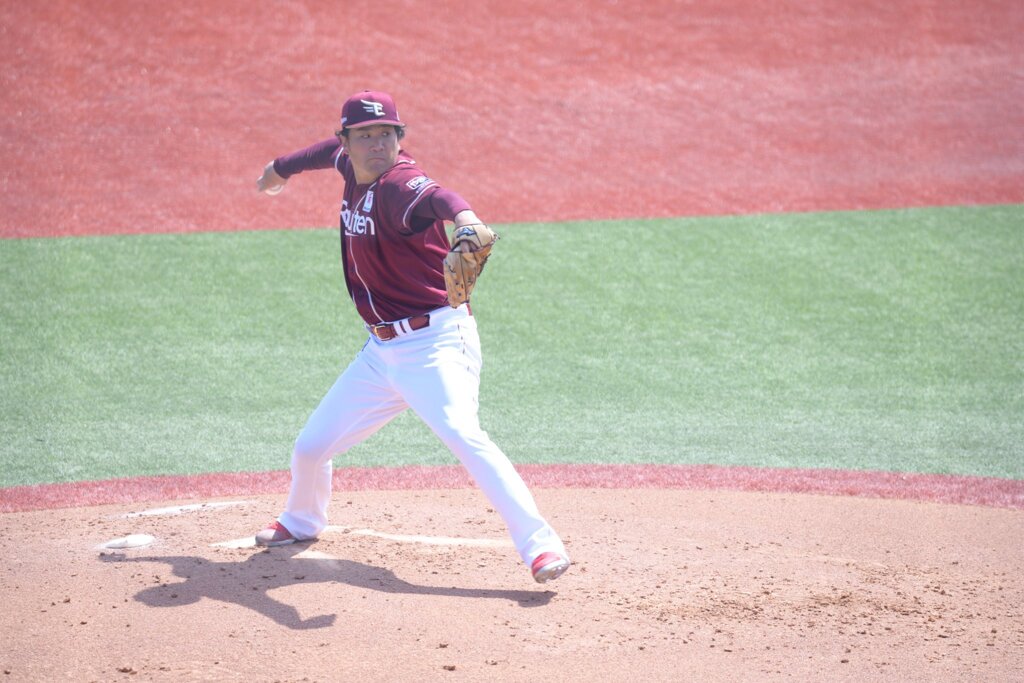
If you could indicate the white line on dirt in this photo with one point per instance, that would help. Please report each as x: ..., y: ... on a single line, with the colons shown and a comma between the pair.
x: 250, y: 541
x: 131, y: 541
x: 247, y: 542
x: 179, y: 509
x: 427, y: 540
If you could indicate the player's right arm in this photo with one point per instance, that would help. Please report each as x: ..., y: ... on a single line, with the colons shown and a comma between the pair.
x: 319, y: 156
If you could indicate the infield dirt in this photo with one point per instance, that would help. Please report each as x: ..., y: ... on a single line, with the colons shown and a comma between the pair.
x: 422, y: 585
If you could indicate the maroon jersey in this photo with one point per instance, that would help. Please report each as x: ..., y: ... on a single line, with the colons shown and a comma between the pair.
x: 392, y: 257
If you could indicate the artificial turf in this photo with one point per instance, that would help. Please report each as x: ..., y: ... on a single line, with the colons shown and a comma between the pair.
x: 886, y: 340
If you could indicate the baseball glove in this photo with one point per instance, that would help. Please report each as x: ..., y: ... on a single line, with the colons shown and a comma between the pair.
x: 471, y: 245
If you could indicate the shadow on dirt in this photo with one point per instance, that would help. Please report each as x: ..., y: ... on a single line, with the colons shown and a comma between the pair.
x: 248, y: 582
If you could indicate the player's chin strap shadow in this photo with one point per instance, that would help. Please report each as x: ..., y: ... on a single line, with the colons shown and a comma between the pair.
x: 248, y: 582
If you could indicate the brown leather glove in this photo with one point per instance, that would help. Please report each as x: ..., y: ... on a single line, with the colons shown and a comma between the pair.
x: 471, y: 245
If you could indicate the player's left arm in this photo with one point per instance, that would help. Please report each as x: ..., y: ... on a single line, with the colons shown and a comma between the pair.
x: 471, y: 240
x: 470, y: 233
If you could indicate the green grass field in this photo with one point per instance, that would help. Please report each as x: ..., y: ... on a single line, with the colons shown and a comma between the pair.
x: 889, y: 340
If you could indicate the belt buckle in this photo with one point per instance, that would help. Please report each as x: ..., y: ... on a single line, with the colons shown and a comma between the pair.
x: 377, y: 329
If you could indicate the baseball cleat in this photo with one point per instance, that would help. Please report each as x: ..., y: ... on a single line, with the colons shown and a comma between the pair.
x: 549, y: 566
x: 274, y: 535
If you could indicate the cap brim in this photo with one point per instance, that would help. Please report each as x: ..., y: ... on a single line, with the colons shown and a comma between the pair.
x: 378, y: 122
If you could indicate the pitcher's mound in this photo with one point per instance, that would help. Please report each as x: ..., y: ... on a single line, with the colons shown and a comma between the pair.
x: 423, y: 585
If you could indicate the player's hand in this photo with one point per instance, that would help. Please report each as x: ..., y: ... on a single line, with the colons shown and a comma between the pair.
x: 270, y: 182
x: 466, y: 217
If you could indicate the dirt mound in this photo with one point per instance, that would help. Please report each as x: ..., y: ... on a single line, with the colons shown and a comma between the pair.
x: 416, y: 585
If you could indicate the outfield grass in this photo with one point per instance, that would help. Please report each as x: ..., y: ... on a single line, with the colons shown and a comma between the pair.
x: 871, y: 340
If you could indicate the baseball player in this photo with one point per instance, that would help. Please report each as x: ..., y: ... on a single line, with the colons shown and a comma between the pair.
x: 411, y: 287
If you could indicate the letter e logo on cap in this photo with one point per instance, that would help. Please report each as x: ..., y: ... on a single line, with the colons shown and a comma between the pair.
x: 375, y: 108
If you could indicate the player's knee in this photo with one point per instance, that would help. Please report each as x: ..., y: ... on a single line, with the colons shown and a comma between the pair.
x: 308, y: 448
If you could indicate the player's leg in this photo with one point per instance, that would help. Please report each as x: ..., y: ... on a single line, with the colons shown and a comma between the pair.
x: 440, y: 380
x: 358, y: 404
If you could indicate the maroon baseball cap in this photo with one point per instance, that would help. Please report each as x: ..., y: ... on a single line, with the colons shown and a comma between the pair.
x: 370, y: 108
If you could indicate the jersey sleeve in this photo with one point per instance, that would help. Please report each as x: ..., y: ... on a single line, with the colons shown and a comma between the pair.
x: 439, y: 203
x: 405, y: 190
x: 323, y: 154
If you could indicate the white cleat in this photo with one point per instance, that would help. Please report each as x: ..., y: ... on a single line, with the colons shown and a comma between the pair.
x: 549, y: 566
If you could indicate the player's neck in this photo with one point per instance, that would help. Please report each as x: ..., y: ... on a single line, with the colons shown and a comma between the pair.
x: 368, y: 179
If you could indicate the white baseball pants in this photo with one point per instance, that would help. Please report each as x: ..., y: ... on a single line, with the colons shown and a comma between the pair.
x: 436, y: 372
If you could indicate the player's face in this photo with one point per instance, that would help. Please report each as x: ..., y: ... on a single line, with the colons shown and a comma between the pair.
x: 372, y: 150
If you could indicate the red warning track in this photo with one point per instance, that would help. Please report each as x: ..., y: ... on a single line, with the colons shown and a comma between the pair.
x: 985, y: 491
x: 152, y: 117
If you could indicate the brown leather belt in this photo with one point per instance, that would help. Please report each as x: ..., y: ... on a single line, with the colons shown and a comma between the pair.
x: 388, y: 331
